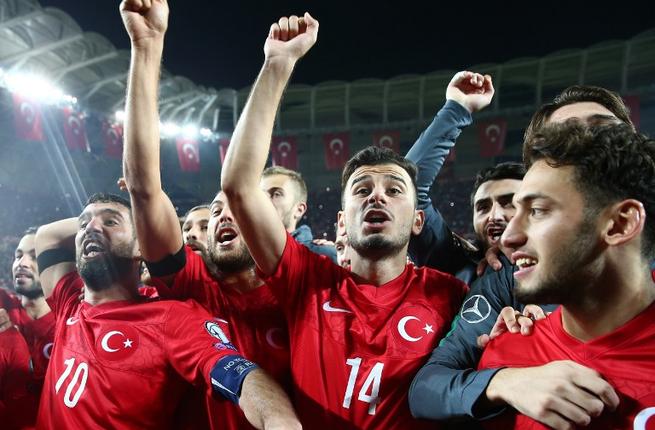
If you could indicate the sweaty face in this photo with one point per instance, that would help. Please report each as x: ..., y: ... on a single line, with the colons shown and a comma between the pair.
x: 493, y: 209
x: 379, y: 210
x: 226, y: 250
x: 24, y: 270
x: 105, y: 245
x: 554, y: 241
x: 284, y: 195
x: 194, y: 230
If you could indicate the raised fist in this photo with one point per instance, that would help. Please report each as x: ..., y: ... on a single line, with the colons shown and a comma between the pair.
x: 144, y: 19
x: 471, y: 90
x: 291, y: 37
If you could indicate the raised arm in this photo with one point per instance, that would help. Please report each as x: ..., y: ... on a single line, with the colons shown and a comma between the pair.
x: 55, y: 252
x: 467, y: 92
x: 157, y: 225
x: 288, y: 40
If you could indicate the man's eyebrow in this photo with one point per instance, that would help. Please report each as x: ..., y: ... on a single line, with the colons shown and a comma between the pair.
x: 360, y: 179
x: 481, y: 201
x: 529, y: 198
x: 396, y: 178
x: 85, y: 215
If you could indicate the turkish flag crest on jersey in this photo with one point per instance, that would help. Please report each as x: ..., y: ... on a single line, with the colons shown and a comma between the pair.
x: 337, y: 150
x: 188, y: 152
x: 117, y: 343
x: 27, y: 119
x: 414, y: 328
x: 387, y: 139
x: 285, y: 152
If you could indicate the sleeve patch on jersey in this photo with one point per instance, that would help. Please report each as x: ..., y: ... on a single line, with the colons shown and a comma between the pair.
x: 228, y: 374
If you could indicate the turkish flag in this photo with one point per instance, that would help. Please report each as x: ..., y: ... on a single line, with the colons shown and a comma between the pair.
x: 492, y: 137
x: 632, y: 102
x: 188, y: 152
x: 222, y: 148
x: 113, y: 137
x: 74, y: 130
x: 27, y: 119
x: 387, y: 139
x: 337, y: 150
x: 285, y: 152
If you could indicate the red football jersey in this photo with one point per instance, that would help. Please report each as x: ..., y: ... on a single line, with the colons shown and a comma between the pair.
x: 624, y: 357
x: 356, y: 347
x: 123, y: 364
x: 254, y: 319
x: 11, y: 304
x: 18, y: 405
x: 40, y: 334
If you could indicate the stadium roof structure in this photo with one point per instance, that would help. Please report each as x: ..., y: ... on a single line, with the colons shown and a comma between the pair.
x: 48, y: 42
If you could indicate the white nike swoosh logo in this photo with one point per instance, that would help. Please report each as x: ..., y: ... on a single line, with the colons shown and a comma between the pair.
x: 328, y: 308
x: 71, y: 321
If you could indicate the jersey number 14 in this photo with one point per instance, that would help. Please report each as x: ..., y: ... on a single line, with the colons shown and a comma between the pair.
x: 370, y: 389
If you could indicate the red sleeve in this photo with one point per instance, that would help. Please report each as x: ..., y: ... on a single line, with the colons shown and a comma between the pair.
x: 11, y: 304
x: 194, y: 342
x: 18, y: 405
x: 298, y: 270
x: 65, y: 295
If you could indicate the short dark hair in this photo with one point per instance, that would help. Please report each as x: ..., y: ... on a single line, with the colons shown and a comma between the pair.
x: 196, y: 208
x: 507, y: 170
x: 375, y: 156
x: 611, y: 163
x: 579, y: 94
x: 296, y: 178
x: 108, y: 198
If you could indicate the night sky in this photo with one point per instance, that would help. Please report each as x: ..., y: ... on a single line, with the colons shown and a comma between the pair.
x: 219, y: 44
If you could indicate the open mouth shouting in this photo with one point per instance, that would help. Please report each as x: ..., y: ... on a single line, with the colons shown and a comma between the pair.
x: 376, y: 219
x: 226, y: 235
x: 92, y: 247
x: 494, y: 231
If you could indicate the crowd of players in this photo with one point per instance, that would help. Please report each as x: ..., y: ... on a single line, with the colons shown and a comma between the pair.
x: 238, y: 319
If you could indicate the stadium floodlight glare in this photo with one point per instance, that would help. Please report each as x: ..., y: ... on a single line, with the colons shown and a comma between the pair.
x: 35, y: 87
x: 205, y: 132
x: 120, y: 115
x: 189, y: 131
x: 169, y: 129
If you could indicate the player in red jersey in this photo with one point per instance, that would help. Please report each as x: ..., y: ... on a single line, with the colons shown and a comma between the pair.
x: 121, y: 360
x: 225, y: 283
x: 18, y: 404
x: 582, y: 236
x: 38, y: 327
x: 357, y: 338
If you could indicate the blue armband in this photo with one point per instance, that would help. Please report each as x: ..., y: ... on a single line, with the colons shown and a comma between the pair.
x: 228, y: 374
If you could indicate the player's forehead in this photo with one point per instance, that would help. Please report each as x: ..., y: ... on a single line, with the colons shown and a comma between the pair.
x: 199, y: 215
x: 581, y: 110
x: 379, y: 172
x: 107, y: 209
x: 548, y: 183
x: 492, y: 190
x: 26, y: 243
x: 277, y: 180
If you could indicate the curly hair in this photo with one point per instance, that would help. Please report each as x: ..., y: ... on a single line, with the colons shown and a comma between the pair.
x: 611, y: 163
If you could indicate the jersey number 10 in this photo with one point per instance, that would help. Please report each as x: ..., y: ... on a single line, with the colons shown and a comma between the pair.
x: 372, y: 384
x: 82, y: 371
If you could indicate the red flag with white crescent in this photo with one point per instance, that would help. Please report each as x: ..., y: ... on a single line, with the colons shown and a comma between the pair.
x: 27, y: 119
x: 113, y: 138
x: 337, y: 150
x: 222, y: 148
x: 74, y: 133
x: 387, y: 139
x: 633, y: 105
x: 492, y: 137
x: 284, y: 151
x: 188, y: 152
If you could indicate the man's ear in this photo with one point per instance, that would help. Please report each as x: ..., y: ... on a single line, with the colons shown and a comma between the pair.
x: 625, y: 221
x: 419, y: 220
x: 301, y: 208
x: 341, y: 224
